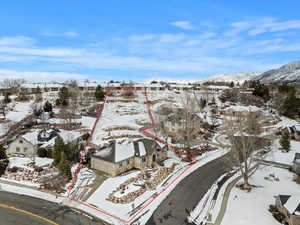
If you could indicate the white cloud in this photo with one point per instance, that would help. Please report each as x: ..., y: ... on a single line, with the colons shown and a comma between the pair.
x: 71, y: 34
x: 171, y: 38
x: 263, y: 25
x: 59, y: 34
x: 16, y: 41
x: 42, y: 76
x: 41, y: 51
x: 186, y: 25
x: 273, y: 26
x: 143, y: 37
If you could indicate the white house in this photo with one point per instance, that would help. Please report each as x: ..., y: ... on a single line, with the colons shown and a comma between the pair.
x: 29, y: 143
x: 22, y: 146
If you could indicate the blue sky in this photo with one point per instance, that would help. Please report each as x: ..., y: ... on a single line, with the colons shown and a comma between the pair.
x: 145, y: 39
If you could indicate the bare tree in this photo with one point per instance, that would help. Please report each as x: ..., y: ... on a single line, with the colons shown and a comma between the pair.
x: 12, y: 85
x: 23, y: 94
x: 190, y: 122
x: 244, y: 133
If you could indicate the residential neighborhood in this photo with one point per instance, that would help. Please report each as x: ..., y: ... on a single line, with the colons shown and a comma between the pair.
x: 150, y: 112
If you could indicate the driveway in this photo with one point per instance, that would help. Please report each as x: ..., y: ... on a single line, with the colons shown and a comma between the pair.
x: 187, y: 194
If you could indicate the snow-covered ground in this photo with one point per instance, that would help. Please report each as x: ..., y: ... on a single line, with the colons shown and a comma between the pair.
x: 20, y: 177
x: 252, y: 208
x: 283, y: 157
x: 121, y: 114
x: 4, y: 127
x: 21, y: 161
x: 19, y: 112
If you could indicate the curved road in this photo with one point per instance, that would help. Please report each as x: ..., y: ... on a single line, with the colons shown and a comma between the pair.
x: 24, y: 210
x: 187, y: 194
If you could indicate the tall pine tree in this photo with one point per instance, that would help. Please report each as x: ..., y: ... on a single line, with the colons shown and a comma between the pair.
x: 57, y: 150
x: 64, y: 166
x: 285, y: 142
x: 3, y: 160
x: 99, y: 93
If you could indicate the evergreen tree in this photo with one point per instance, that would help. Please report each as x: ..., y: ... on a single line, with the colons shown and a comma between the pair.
x: 99, y: 93
x: 261, y: 90
x: 64, y: 166
x: 232, y: 84
x: 57, y: 150
x: 3, y: 160
x: 63, y: 96
x: 291, y: 107
x: 285, y: 141
x: 48, y: 107
x: 6, y: 98
x: 42, y: 152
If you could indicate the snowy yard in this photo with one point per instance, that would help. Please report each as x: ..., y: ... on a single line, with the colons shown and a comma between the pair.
x: 19, y: 112
x: 283, y: 157
x: 120, y: 119
x: 26, y: 173
x: 252, y: 208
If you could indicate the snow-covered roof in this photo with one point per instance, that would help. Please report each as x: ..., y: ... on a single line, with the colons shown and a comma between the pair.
x: 239, y: 108
x: 217, y: 87
x: 92, y: 84
x: 67, y: 136
x: 32, y: 137
x: 42, y: 85
x: 119, y: 151
x: 293, y: 204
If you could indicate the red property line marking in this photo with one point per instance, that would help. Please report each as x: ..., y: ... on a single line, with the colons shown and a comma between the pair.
x: 147, y: 133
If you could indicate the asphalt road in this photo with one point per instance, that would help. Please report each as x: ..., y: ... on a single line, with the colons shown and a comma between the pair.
x: 33, y: 211
x: 186, y: 195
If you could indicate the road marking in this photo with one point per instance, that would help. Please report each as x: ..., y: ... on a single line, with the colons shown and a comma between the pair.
x: 28, y: 213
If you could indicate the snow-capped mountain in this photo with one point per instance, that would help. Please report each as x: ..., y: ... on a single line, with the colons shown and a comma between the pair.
x: 235, y: 77
x: 287, y: 73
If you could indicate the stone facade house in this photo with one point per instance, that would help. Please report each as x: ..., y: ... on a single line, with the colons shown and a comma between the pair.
x: 120, y: 157
x: 289, y: 206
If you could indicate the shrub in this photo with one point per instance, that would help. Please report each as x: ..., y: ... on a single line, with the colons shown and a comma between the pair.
x: 48, y: 107
x: 297, y: 179
x: 42, y: 152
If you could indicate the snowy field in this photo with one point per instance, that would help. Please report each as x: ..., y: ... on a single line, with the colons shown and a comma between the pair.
x: 116, y: 114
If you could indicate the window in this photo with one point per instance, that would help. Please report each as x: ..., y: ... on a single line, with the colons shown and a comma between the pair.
x: 120, y: 164
x: 25, y: 149
x: 143, y: 159
x: 128, y: 161
x: 21, y: 141
x: 17, y: 149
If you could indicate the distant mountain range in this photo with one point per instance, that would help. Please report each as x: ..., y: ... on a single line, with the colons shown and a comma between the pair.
x: 235, y: 77
x: 289, y: 73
